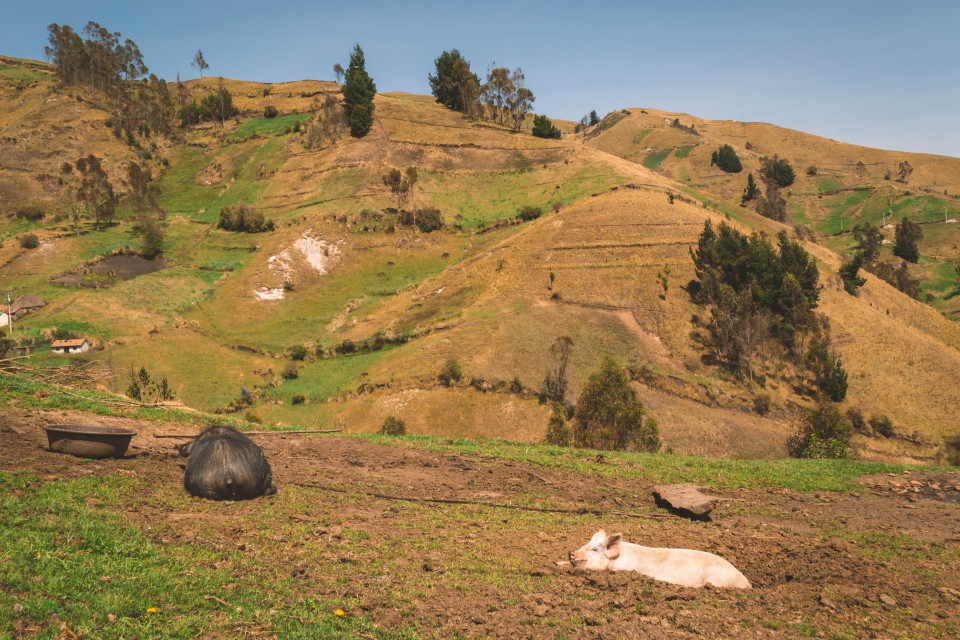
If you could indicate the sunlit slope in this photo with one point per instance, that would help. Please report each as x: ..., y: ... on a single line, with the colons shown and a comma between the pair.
x: 498, y: 314
x: 837, y: 185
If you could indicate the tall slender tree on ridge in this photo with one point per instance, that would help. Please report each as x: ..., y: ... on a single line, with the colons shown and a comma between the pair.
x: 358, y: 93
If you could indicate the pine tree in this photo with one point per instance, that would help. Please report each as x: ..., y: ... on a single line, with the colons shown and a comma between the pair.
x: 358, y: 92
x: 726, y: 158
x: 750, y: 192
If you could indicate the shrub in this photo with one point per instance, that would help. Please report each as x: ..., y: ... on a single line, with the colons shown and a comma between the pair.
x: 270, y: 111
x: 558, y: 431
x: 32, y: 214
x: 29, y: 241
x: 777, y: 170
x: 857, y: 421
x: 529, y: 212
x: 450, y: 373
x: 426, y: 220
x: 726, y: 158
x: 252, y: 417
x: 811, y: 170
x: 298, y: 352
x: 951, y: 446
x: 824, y: 432
x: 393, y: 426
x: 543, y: 127
x: 290, y: 371
x: 298, y: 399
x: 610, y: 415
x: 761, y: 403
x: 243, y: 217
x: 882, y: 426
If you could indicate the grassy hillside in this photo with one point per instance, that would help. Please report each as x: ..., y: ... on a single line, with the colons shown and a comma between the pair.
x: 837, y: 185
x: 377, y: 309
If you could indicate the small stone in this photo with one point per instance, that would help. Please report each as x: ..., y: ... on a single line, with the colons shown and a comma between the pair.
x: 542, y: 610
x: 17, y: 607
x: 887, y: 600
x: 111, y: 619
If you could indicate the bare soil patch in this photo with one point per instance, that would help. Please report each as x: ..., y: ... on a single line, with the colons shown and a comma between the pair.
x: 109, y: 271
x: 463, y: 544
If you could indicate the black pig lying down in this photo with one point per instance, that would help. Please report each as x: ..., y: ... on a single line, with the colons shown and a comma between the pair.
x: 224, y: 464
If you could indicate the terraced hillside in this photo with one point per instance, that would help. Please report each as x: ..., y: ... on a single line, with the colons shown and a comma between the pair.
x: 837, y: 186
x: 342, y: 315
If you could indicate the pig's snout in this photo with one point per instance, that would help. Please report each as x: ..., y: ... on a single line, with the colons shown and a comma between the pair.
x: 573, y: 557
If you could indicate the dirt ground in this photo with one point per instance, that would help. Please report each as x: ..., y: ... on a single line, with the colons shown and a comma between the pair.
x: 879, y: 563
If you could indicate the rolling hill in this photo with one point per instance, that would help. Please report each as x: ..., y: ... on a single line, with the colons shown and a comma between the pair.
x: 378, y: 308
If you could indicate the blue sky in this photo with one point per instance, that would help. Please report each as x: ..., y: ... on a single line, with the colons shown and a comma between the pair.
x: 878, y: 73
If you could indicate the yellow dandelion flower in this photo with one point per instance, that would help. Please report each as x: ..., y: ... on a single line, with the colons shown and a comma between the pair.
x: 152, y: 610
x: 338, y: 612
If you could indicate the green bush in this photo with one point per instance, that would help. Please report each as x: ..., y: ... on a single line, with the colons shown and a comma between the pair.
x: 451, y: 372
x: 951, y: 446
x: 29, y: 241
x: 290, y: 371
x: 857, y: 421
x: 270, y: 111
x: 558, y: 431
x: 882, y: 426
x: 426, y: 220
x: 33, y: 214
x: 298, y: 352
x: 761, y: 403
x: 609, y: 414
x: 726, y: 158
x: 243, y: 217
x: 824, y: 432
x: 529, y: 212
x: 777, y: 170
x: 298, y: 399
x: 393, y: 426
x: 543, y: 127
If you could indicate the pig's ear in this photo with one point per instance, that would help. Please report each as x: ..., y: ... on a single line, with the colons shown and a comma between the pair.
x: 613, y: 546
x: 598, y: 537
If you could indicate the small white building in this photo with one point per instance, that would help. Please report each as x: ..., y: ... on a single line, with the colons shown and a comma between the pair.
x: 80, y: 345
x: 4, y: 318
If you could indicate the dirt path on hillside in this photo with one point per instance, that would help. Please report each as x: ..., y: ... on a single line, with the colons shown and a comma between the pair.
x: 456, y: 543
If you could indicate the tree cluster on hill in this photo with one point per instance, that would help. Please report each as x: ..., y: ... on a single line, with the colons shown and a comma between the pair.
x: 358, y: 92
x: 327, y: 124
x: 869, y: 240
x: 502, y: 98
x: 214, y: 107
x: 761, y: 296
x: 776, y: 174
x: 543, y: 127
x: 727, y: 159
x: 609, y: 414
x: 455, y: 86
x: 243, y: 217
x: 101, y: 61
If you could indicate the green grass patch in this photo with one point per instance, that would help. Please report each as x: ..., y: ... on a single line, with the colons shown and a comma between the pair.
x: 60, y: 556
x: 803, y: 475
x: 734, y: 213
x: 683, y: 152
x: 828, y: 185
x: 655, y: 158
x: 472, y: 200
x: 840, y: 209
x: 181, y: 193
x: 31, y: 394
x: 269, y: 126
x: 322, y: 379
x: 643, y: 133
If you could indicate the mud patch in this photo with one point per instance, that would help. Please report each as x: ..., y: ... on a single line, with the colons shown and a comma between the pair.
x: 108, y: 271
x: 462, y: 545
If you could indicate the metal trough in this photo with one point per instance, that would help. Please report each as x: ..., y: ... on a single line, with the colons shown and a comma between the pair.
x: 89, y: 441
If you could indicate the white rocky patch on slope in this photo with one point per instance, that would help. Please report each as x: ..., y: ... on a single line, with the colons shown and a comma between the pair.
x: 319, y: 255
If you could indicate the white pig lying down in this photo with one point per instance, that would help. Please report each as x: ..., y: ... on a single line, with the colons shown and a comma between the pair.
x: 685, y: 567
